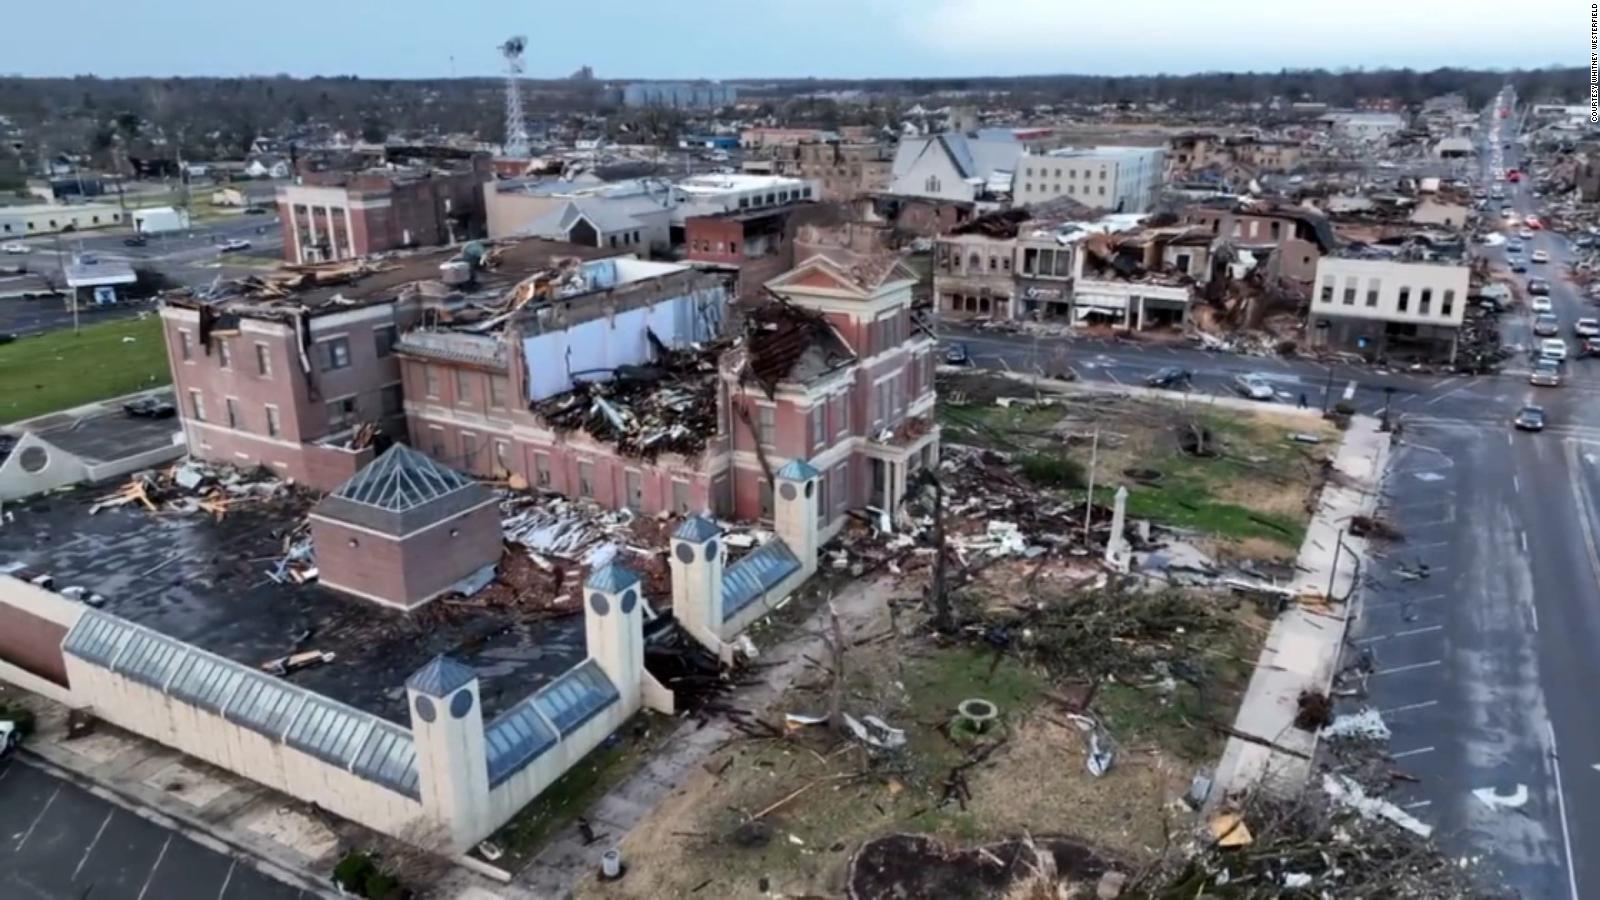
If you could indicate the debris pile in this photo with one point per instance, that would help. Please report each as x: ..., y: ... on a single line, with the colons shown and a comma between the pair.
x: 562, y: 541
x: 194, y: 486
x: 667, y: 407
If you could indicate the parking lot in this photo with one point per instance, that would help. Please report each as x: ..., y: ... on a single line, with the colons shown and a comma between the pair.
x: 59, y: 842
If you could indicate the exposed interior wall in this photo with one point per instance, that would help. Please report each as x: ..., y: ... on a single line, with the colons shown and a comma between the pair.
x: 33, y: 622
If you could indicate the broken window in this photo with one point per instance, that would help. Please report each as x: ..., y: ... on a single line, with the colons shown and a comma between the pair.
x: 1449, y: 304
x: 586, y: 479
x: 1350, y: 292
x: 224, y: 358
x: 767, y: 421
x: 1405, y: 299
x: 1425, y: 304
x: 233, y: 412
x: 841, y: 414
x: 185, y: 345
x: 274, y: 427
x: 383, y: 338
x: 541, y: 469
x: 391, y: 400
x: 819, y: 426
x: 436, y: 441
x: 680, y: 497
x: 502, y: 457
x: 840, y: 491
x: 336, y: 354
x: 498, y: 388
x: 469, y: 451
x: 263, y: 361
x: 197, y: 406
x: 1327, y: 290
x: 341, y: 413
x: 766, y: 499
x: 1372, y: 292
x: 1030, y: 261
x: 635, y: 485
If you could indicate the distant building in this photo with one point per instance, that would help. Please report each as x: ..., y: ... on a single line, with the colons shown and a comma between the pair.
x: 1115, y: 179
x: 334, y: 216
x: 843, y: 171
x: 954, y: 167
x: 99, y: 282
x: 1365, y: 126
x: 679, y: 95
x: 49, y: 218
x: 1381, y: 304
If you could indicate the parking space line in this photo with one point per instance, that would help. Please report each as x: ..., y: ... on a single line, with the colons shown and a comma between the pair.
x: 42, y: 810
x: 1377, y: 604
x: 1409, y: 707
x: 1410, y: 668
x: 1112, y: 375
x: 1405, y: 753
x: 90, y: 849
x: 1420, y: 804
x: 1398, y: 634
x: 228, y: 878
x: 152, y: 876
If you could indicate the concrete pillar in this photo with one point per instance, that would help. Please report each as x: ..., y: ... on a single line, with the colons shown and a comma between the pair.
x: 294, y: 229
x: 696, y: 562
x: 452, y: 764
x: 311, y: 225
x: 794, y: 512
x: 1118, y: 554
x: 613, y: 628
x: 350, y: 232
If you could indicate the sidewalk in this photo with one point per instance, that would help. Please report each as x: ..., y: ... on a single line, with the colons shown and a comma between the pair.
x: 1303, y: 648
x: 1213, y: 401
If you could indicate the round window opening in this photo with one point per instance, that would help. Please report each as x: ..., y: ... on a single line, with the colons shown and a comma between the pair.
x: 711, y: 550
x: 34, y: 459
x: 425, y: 710
x: 630, y: 599
x: 460, y: 704
x: 685, y: 553
x: 599, y: 603
x: 787, y: 490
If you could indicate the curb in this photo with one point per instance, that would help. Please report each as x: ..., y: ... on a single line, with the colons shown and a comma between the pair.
x: 187, y: 826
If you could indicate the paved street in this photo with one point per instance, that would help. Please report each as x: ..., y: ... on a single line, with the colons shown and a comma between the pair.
x: 59, y: 842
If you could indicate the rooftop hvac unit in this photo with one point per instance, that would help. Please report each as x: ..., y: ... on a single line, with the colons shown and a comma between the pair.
x: 455, y: 272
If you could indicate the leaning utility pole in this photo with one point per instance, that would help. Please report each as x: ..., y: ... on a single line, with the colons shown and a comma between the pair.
x: 1088, y: 504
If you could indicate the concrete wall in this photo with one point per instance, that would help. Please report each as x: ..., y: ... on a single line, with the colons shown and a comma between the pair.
x: 33, y: 622
x: 1374, y: 288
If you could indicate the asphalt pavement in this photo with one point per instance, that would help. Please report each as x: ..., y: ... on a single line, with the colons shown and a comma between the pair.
x: 60, y: 842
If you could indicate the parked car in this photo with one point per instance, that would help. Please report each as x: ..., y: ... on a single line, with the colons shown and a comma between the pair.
x: 255, y: 210
x: 1539, y: 289
x: 235, y: 244
x: 1540, y: 256
x: 10, y: 737
x: 150, y: 408
x: 1586, y: 327
x: 1518, y: 268
x: 137, y: 240
x: 1545, y: 374
x: 1253, y: 386
x: 14, y: 248
x: 955, y: 354
x: 1529, y: 418
x: 1170, y: 377
x: 1546, y: 325
x: 1525, y: 234
x: 1513, y: 247
x: 1553, y: 349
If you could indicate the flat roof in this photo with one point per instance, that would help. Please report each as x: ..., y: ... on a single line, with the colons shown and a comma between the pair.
x: 1106, y: 151
x: 723, y: 183
x: 204, y: 582
x: 99, y: 437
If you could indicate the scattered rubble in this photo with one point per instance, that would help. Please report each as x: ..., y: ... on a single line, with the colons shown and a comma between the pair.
x: 667, y: 407
x: 194, y: 486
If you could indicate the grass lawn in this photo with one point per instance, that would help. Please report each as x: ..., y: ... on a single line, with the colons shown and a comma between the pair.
x: 61, y: 370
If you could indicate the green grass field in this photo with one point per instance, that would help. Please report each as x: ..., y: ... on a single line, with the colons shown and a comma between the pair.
x: 61, y: 370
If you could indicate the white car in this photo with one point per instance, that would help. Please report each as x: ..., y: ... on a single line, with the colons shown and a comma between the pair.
x: 1253, y: 386
x: 1541, y: 304
x: 10, y: 737
x: 1553, y: 348
x: 1526, y: 234
x: 1540, y: 256
x: 235, y: 244
x: 1586, y: 327
x: 14, y: 248
x: 1507, y: 214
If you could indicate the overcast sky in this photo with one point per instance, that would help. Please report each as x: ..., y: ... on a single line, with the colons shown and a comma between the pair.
x: 780, y: 38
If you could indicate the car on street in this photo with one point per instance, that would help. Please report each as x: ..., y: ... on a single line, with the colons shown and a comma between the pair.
x: 137, y: 240
x: 1513, y: 247
x: 1586, y: 327
x: 14, y: 248
x: 1553, y: 349
x: 1529, y: 418
x: 1540, y: 291
x: 255, y: 210
x: 1533, y: 222
x: 1546, y: 325
x: 1253, y: 386
x: 233, y: 245
x: 1541, y: 305
x: 10, y: 737
x: 955, y: 354
x: 1540, y: 256
x: 1526, y: 234
x: 1170, y: 377
x: 1545, y: 374
x: 1518, y: 268
x: 1507, y: 214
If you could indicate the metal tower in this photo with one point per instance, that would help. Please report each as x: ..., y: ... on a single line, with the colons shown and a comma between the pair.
x: 516, y: 144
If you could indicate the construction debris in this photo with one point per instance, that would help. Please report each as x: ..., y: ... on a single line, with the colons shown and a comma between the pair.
x: 294, y: 662
x: 644, y: 411
x: 193, y: 486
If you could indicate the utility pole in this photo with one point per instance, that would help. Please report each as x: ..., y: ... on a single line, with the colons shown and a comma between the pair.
x: 1088, y: 505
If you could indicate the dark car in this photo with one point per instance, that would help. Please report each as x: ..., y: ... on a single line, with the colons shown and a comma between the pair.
x: 1170, y: 377
x: 956, y: 354
x: 1529, y: 418
x: 255, y: 210
x: 137, y: 240
x: 1538, y: 287
x: 1518, y: 268
x: 150, y: 408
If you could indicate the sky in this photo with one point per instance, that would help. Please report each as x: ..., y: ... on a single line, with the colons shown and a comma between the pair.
x: 752, y: 39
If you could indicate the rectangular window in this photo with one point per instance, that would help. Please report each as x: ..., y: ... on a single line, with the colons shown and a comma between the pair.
x: 680, y: 497
x: 841, y: 414
x: 502, y: 457
x: 1405, y: 300
x: 1425, y: 302
x: 436, y: 442
x: 1349, y: 292
x: 585, y: 479
x: 233, y: 412
x: 197, y: 406
x: 1327, y: 290
x: 634, y: 482
x: 819, y: 425
x: 498, y: 388
x: 766, y: 499
x: 839, y: 487
x: 767, y: 421
x: 463, y: 387
x: 336, y: 354
x: 469, y: 451
x: 430, y: 382
x: 383, y: 339
x: 341, y: 413
x: 274, y: 427
x: 1372, y: 292
x: 392, y: 400
x: 185, y: 346
x: 1448, y: 306
x: 541, y: 469
x: 263, y: 360
x: 224, y: 357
